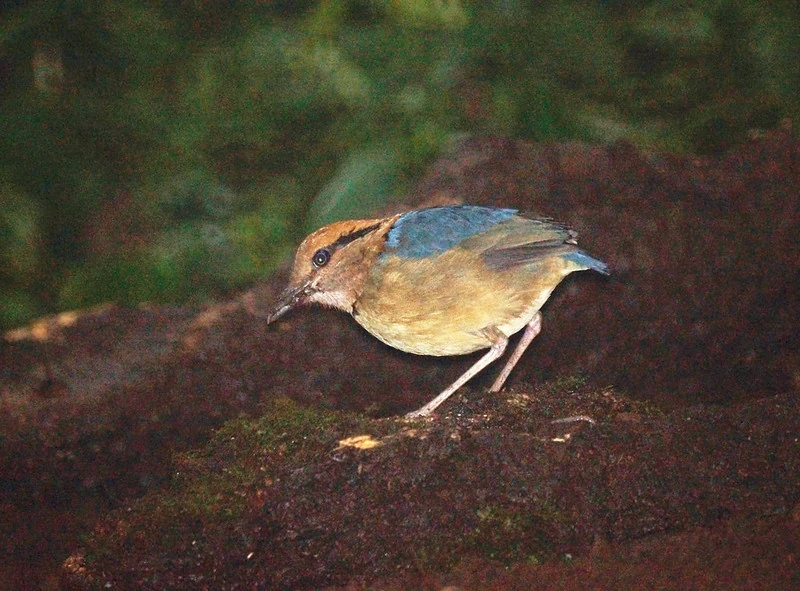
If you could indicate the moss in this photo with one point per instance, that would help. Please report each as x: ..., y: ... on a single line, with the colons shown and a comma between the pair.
x: 213, y: 486
x: 513, y: 534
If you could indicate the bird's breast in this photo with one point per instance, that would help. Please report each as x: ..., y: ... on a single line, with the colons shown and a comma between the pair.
x: 441, y: 305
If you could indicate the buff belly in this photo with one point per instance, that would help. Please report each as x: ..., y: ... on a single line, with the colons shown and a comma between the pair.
x: 448, y: 312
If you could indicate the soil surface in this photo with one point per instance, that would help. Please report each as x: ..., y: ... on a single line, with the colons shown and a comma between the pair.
x: 166, y: 447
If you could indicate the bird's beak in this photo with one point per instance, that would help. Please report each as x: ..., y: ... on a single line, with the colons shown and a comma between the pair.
x: 291, y: 297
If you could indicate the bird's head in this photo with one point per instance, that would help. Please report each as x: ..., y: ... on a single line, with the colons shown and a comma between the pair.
x: 331, y: 265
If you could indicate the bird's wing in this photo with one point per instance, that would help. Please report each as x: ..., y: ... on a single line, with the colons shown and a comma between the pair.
x: 525, y: 241
x: 522, y: 241
x: 432, y: 231
x: 502, y: 237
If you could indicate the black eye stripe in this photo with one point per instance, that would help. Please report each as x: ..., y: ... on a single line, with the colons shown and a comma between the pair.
x: 348, y: 238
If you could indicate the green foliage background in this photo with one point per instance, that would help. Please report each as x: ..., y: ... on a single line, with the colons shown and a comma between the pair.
x: 172, y: 151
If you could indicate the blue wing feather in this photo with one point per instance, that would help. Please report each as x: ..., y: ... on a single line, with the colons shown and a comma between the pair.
x: 428, y: 232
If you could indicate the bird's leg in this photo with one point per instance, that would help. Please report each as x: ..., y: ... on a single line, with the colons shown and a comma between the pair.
x: 534, y: 327
x: 499, y: 344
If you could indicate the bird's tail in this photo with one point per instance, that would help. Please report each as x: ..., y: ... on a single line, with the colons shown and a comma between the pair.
x: 587, y: 261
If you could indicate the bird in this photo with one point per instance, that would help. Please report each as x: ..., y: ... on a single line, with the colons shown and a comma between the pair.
x: 442, y: 281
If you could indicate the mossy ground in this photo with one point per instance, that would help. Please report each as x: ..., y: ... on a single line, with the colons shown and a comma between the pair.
x: 301, y: 498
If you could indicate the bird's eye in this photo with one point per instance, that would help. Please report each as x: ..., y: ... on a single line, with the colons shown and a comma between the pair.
x: 321, y: 258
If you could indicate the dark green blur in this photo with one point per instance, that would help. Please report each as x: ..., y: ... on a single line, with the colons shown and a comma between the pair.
x: 175, y: 151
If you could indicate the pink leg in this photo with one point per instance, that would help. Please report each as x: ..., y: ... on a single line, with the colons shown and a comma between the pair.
x: 499, y: 344
x: 534, y: 328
